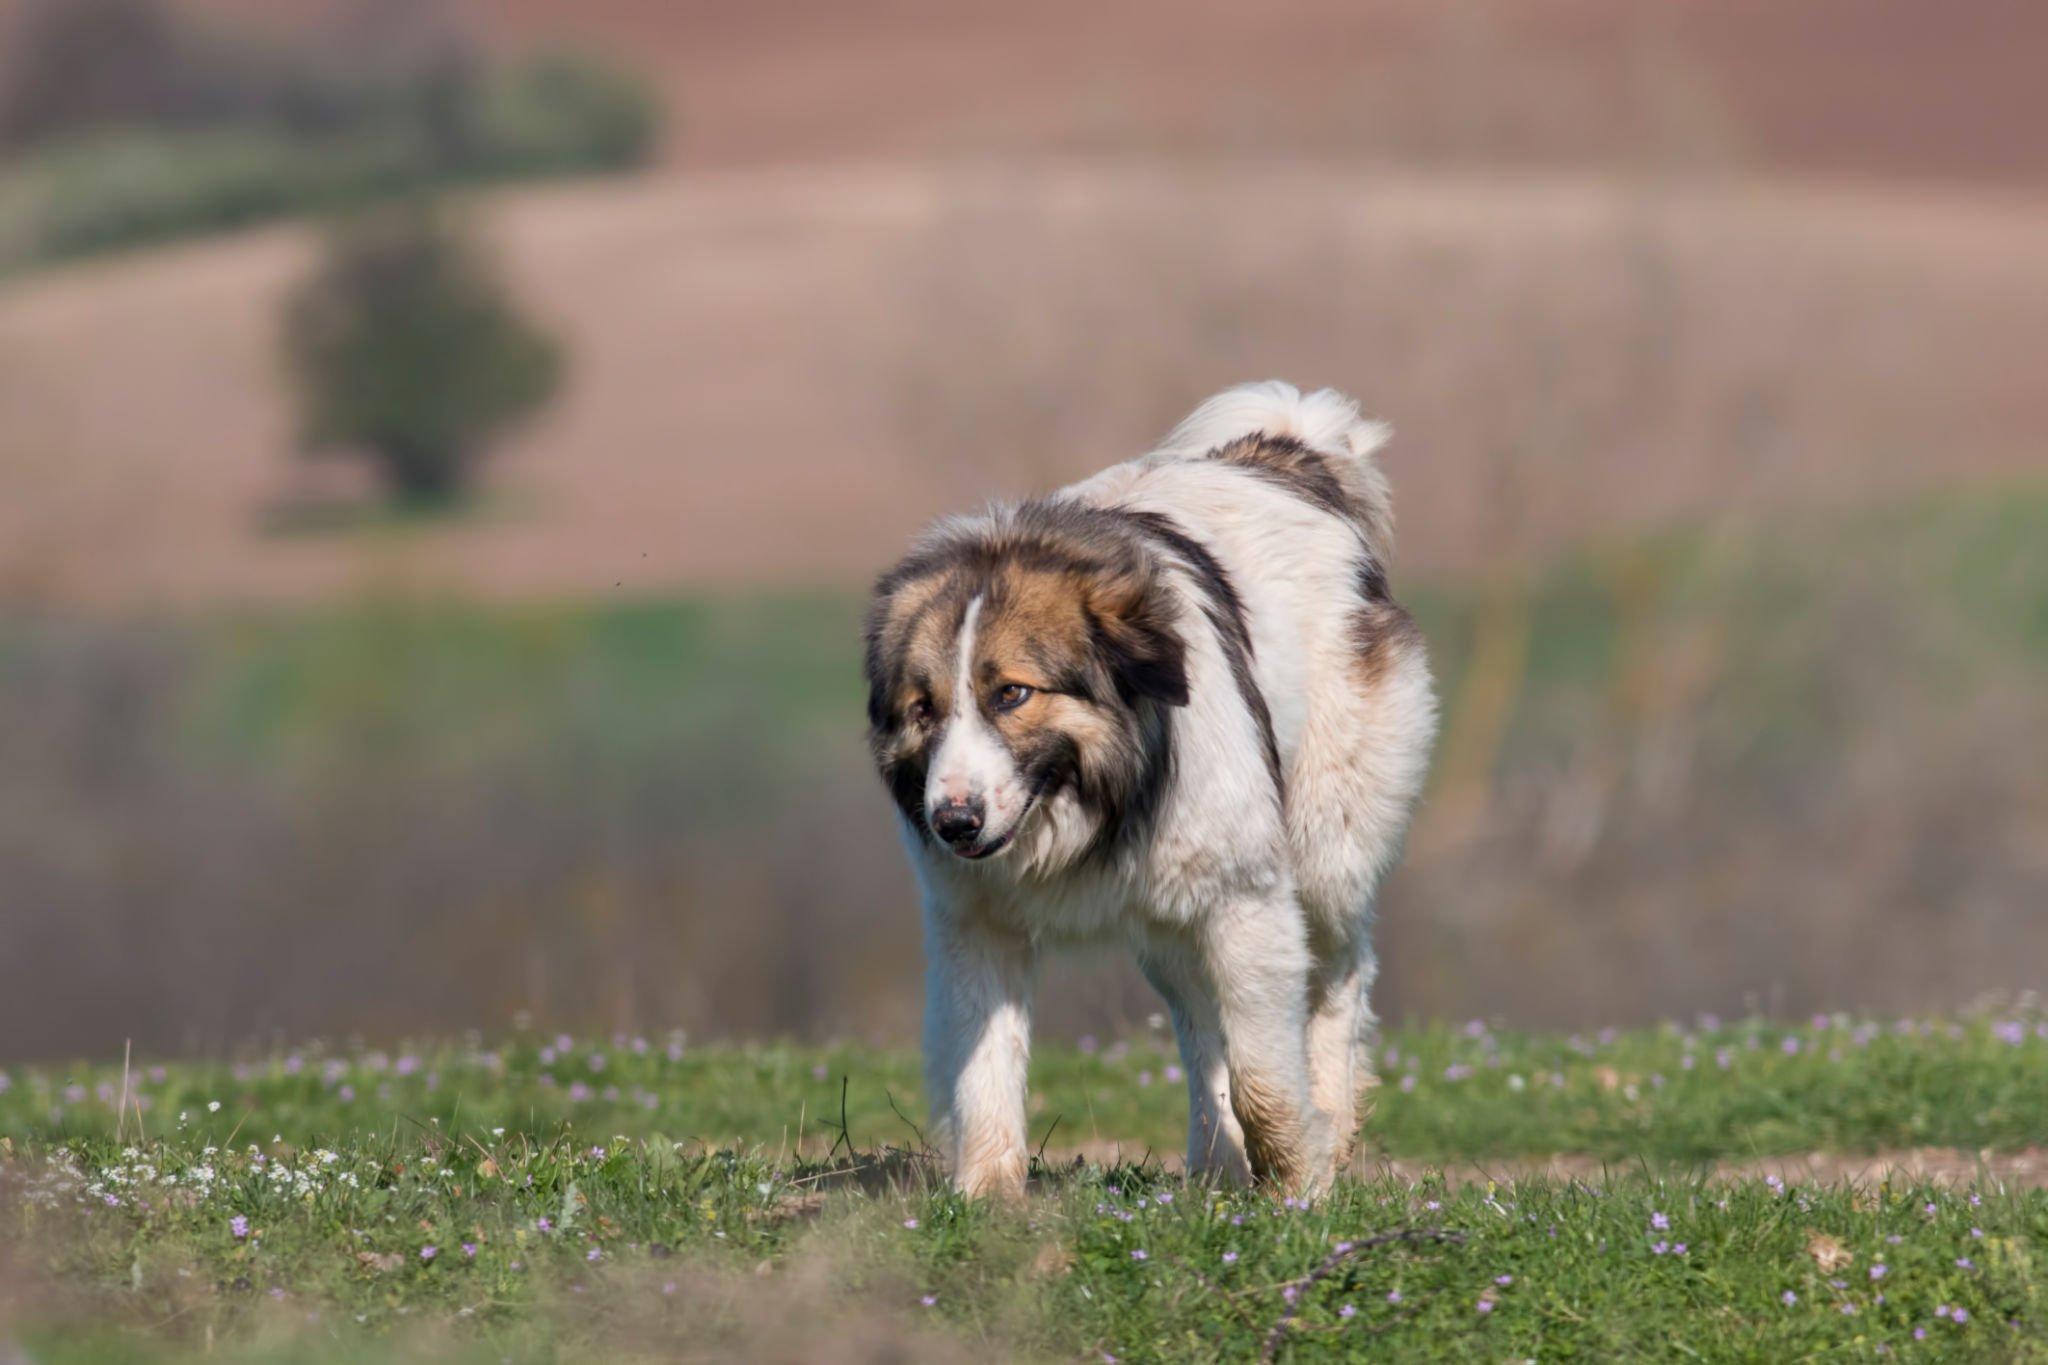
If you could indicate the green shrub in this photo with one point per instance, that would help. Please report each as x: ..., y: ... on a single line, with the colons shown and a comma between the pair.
x: 129, y: 127
x: 404, y: 345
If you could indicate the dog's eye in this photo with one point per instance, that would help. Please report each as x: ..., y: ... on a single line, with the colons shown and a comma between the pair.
x: 1010, y: 696
x: 918, y: 712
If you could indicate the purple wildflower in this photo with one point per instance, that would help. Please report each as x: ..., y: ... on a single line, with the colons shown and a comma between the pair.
x: 1230, y: 1258
x: 469, y: 1249
x: 929, y: 1300
x: 1347, y: 1311
x: 1393, y: 1296
x: 428, y: 1253
x: 1139, y: 1255
x: 910, y: 1223
x: 1659, y: 1221
x: 1789, y: 1298
x: 239, y: 1226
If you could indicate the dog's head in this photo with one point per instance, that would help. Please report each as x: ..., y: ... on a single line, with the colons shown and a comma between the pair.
x: 1018, y: 666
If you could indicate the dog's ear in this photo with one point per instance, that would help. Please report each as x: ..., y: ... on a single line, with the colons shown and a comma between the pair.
x: 1133, y: 617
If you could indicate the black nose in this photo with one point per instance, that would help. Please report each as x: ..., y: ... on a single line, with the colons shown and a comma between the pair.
x: 957, y: 821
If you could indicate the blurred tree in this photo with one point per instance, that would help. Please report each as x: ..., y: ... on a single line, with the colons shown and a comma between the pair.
x: 404, y: 344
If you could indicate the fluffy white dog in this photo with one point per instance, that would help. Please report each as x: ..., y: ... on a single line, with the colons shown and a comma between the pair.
x: 1172, y: 705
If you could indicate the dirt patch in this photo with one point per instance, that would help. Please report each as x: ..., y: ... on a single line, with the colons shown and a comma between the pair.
x: 1863, y: 87
x: 776, y: 376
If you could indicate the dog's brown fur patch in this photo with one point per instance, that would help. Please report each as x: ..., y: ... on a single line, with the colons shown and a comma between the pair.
x: 1272, y: 1128
x: 1381, y: 632
x: 1074, y: 606
x: 1294, y: 466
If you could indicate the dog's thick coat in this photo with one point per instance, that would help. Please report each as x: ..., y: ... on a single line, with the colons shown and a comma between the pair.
x: 1173, y: 705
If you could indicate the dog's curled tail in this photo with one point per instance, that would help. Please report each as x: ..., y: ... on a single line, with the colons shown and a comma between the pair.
x: 1325, y: 421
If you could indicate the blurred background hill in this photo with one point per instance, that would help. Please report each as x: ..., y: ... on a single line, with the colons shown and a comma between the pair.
x: 1712, y: 334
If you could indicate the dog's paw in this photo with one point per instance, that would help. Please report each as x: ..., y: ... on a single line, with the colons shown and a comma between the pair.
x: 998, y: 1179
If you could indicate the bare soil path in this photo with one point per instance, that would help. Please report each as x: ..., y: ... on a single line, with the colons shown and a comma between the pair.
x: 777, y: 374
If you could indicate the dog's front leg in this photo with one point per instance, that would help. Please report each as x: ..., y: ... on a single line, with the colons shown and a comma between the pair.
x: 1258, y: 959
x: 977, y: 1047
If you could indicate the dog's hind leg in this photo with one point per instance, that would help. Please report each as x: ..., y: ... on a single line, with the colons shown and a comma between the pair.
x: 1340, y: 1040
x: 1257, y: 956
x: 1215, y: 1141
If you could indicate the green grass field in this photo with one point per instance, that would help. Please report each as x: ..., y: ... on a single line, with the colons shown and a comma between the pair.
x: 551, y: 1198
x: 1949, y: 587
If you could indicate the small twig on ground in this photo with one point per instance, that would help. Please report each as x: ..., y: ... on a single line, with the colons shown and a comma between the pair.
x: 121, y: 1109
x: 1048, y: 1136
x: 845, y: 1136
x: 1328, y: 1266
x: 923, y: 1147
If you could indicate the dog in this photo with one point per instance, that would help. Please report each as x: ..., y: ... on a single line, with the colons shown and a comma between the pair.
x: 1176, y: 706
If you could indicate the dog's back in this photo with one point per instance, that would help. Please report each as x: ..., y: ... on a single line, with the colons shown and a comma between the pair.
x: 1281, y: 491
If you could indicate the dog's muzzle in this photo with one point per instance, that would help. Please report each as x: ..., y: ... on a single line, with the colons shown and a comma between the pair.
x: 958, y: 822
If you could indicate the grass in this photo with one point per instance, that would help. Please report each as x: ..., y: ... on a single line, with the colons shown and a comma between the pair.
x: 1961, y: 577
x: 545, y: 1198
x: 136, y: 182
